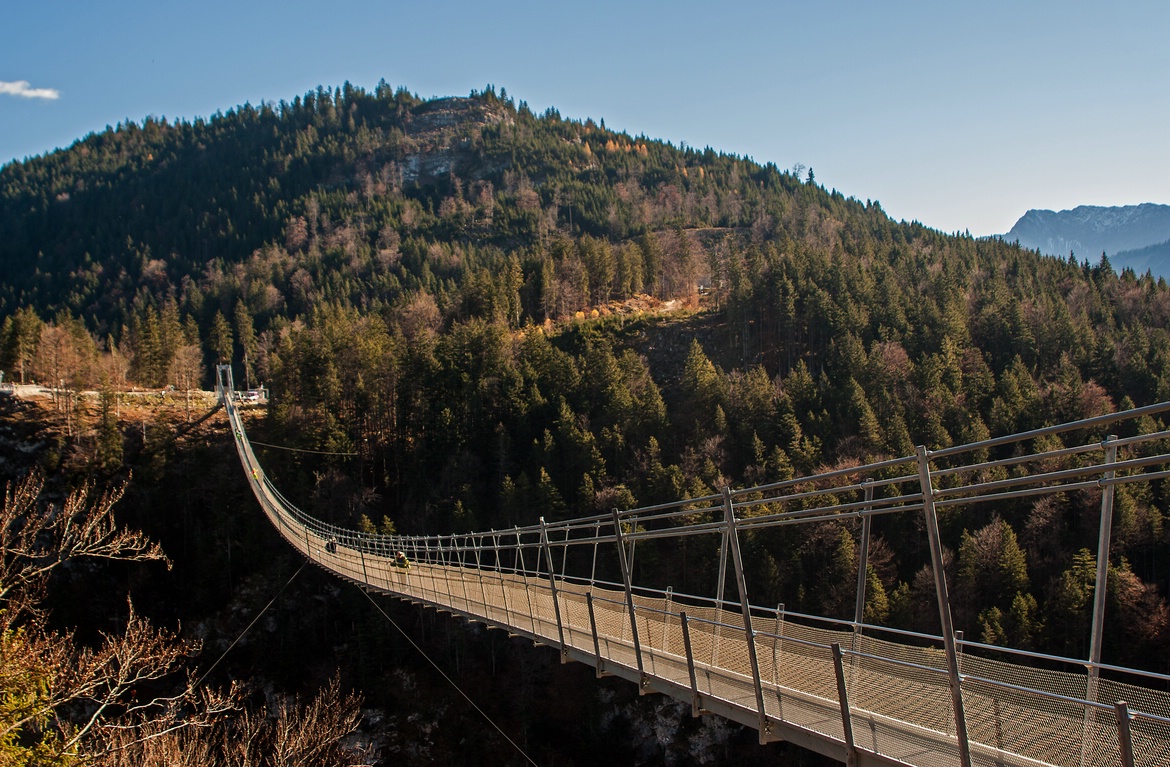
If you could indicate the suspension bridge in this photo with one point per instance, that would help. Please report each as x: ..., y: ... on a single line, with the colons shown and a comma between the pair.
x: 861, y: 694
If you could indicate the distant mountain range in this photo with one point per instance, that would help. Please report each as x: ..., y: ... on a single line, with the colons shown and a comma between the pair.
x: 1137, y: 236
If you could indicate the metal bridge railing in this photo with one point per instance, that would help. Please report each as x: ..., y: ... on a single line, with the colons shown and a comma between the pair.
x: 862, y: 693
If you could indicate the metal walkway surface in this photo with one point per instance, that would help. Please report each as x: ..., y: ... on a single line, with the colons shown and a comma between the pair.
x: 862, y: 694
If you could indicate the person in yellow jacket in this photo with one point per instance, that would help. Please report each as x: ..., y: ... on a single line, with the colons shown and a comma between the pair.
x: 400, y: 560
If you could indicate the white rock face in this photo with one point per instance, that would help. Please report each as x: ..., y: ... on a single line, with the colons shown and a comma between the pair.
x: 1089, y: 230
x: 1137, y: 236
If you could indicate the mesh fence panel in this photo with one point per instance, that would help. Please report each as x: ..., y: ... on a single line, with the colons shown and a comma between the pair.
x: 1151, y: 736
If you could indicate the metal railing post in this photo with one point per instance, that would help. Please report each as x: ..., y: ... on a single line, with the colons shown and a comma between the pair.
x: 745, y: 608
x: 643, y: 681
x: 944, y: 605
x: 431, y: 569
x: 524, y: 575
x: 1124, y: 736
x: 479, y: 575
x: 696, y: 701
x: 596, y: 640
x: 552, y: 580
x: 843, y: 699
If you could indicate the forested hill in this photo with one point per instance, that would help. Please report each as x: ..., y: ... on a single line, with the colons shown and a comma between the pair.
x: 473, y: 298
x: 351, y: 183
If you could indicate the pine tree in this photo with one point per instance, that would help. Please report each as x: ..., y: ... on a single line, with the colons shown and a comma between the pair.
x: 220, y: 340
x: 246, y: 335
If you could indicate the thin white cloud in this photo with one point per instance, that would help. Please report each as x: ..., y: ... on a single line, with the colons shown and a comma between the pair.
x: 20, y: 88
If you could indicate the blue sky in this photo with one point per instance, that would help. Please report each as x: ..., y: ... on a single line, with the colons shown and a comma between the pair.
x: 959, y: 115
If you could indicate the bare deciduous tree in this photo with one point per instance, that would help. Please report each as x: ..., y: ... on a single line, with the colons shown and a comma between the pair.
x: 186, y: 370
x: 57, y: 360
x: 65, y: 703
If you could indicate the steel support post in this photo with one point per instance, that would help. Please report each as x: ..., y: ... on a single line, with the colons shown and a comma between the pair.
x: 552, y: 580
x: 696, y: 701
x: 441, y: 564
x: 722, y: 571
x: 500, y: 572
x: 777, y: 654
x: 666, y: 618
x: 1104, y: 538
x: 565, y: 553
x: 461, y: 557
x: 944, y: 605
x: 843, y: 698
x: 431, y: 570
x: 862, y: 564
x: 453, y: 561
x: 365, y: 575
x: 862, y: 576
x: 633, y: 542
x: 746, y: 609
x: 596, y: 640
x: 449, y: 556
x: 596, y: 538
x: 625, y: 565
x: 777, y: 643
x: 1124, y: 737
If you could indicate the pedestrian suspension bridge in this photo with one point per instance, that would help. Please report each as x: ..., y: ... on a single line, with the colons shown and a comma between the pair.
x: 862, y: 694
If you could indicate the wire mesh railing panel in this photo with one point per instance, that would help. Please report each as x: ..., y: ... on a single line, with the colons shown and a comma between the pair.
x: 733, y: 649
x: 460, y: 592
x: 1151, y: 741
x: 1150, y: 726
x: 912, y: 745
x: 1045, y: 714
x: 901, y: 692
x: 1027, y: 724
x: 672, y: 636
x: 903, y: 682
x: 575, y: 615
x: 544, y: 612
x: 672, y: 650
x: 613, y: 629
